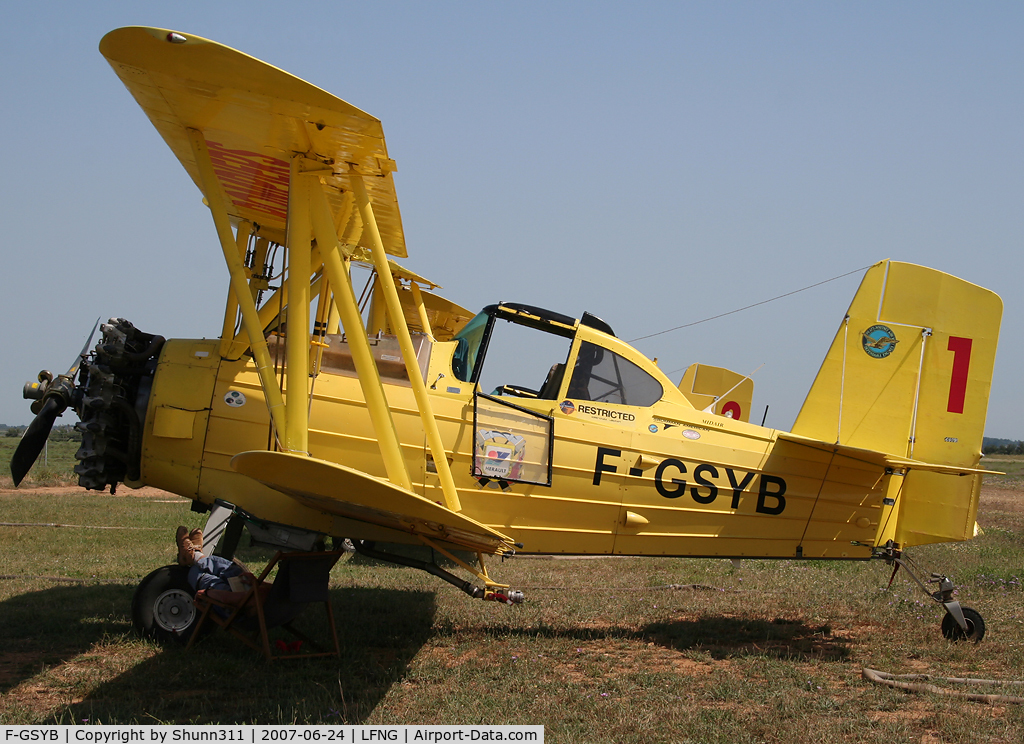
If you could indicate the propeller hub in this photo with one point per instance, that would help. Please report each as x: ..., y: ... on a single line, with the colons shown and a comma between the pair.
x: 110, y: 400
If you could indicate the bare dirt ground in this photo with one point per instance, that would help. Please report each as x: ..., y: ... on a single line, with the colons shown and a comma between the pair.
x: 1001, y: 498
x: 146, y: 492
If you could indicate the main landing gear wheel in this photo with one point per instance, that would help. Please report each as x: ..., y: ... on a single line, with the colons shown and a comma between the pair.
x: 162, y: 608
x: 975, y: 626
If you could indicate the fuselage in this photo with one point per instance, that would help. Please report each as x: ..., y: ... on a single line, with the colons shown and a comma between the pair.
x: 581, y: 470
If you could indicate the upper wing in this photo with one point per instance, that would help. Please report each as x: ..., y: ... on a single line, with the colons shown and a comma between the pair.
x: 445, y: 317
x: 255, y: 118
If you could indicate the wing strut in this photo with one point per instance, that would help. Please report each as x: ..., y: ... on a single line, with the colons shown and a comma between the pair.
x: 228, y: 330
x: 355, y: 333
x: 421, y: 308
x: 401, y: 329
x: 240, y: 287
x: 309, y: 216
x: 298, y: 240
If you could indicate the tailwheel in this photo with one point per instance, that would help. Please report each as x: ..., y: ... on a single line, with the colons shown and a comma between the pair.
x: 162, y: 607
x: 975, y: 626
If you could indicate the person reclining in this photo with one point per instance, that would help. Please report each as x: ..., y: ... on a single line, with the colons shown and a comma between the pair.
x: 212, y: 575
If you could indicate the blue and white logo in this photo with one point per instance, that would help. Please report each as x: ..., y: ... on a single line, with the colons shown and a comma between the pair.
x: 879, y: 341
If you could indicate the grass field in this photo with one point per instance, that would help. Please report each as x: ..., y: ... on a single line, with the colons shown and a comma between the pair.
x: 1011, y: 465
x: 602, y: 650
x: 54, y: 466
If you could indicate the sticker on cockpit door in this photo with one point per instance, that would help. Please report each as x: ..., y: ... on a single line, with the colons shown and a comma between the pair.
x: 499, y: 454
x: 234, y: 398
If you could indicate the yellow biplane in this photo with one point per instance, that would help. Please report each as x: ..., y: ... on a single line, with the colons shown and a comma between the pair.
x: 324, y: 409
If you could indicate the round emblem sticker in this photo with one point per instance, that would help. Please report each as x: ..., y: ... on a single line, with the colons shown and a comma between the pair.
x: 653, y: 428
x: 567, y: 407
x: 691, y: 434
x: 234, y: 399
x: 879, y: 341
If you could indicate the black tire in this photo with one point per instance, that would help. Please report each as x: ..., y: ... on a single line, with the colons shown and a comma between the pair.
x: 975, y: 626
x: 162, y: 607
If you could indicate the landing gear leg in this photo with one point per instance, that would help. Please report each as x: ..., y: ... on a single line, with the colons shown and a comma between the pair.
x: 491, y: 592
x: 229, y: 537
x: 960, y: 623
x: 222, y: 530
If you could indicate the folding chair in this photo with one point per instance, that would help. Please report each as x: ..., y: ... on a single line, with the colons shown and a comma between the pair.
x: 301, y: 580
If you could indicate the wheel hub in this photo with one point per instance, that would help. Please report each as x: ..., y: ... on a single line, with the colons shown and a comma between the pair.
x: 174, y: 610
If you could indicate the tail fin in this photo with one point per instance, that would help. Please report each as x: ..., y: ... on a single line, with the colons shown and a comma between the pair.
x: 718, y: 389
x: 909, y: 374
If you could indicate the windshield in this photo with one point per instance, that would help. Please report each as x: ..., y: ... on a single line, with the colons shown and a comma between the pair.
x: 468, y: 350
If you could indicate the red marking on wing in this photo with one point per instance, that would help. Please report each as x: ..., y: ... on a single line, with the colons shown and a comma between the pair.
x: 252, y: 181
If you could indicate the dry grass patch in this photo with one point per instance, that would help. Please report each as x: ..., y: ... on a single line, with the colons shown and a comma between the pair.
x: 601, y: 651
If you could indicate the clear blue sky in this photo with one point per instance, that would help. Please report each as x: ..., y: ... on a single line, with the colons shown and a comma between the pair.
x: 653, y: 163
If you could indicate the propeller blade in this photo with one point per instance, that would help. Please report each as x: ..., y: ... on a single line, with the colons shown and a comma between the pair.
x: 84, y: 351
x: 54, y: 397
x: 34, y: 440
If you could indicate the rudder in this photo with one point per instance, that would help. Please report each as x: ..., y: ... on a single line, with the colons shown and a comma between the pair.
x: 909, y: 374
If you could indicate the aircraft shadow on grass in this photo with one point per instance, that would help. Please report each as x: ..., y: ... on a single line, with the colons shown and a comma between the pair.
x: 221, y: 680
x: 724, y: 637
x: 721, y: 637
x: 46, y: 628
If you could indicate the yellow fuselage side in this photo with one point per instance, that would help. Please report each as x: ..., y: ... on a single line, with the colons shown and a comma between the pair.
x: 659, y: 480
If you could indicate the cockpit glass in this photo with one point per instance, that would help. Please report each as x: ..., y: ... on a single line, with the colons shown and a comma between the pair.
x: 468, y: 349
x: 602, y: 375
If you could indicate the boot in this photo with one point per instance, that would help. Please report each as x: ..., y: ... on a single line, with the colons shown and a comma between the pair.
x: 186, y: 550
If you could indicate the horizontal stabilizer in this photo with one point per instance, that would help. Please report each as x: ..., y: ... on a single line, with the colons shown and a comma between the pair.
x: 933, y: 467
x: 345, y: 492
x: 883, y: 460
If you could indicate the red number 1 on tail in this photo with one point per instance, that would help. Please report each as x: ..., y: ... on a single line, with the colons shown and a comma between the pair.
x: 961, y: 348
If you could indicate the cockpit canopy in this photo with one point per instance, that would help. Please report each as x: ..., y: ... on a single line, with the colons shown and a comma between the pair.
x: 598, y: 371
